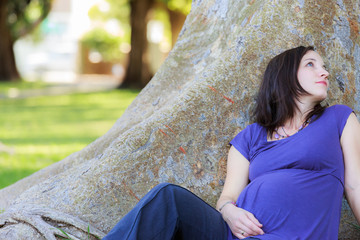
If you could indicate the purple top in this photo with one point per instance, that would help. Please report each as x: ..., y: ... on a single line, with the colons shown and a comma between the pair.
x: 297, y: 183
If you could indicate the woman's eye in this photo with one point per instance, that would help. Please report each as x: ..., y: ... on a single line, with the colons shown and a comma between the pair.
x: 309, y: 64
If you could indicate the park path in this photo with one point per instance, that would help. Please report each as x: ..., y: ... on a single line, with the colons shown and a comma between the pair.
x: 81, y: 84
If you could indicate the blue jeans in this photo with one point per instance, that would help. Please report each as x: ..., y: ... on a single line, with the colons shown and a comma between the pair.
x: 170, y: 212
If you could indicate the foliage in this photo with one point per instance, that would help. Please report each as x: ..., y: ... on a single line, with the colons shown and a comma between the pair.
x: 355, y: 226
x: 17, y: 19
x: 105, y: 43
x: 42, y: 130
x: 182, y: 6
x: 118, y: 12
x: 113, y: 30
x: 111, y: 9
x: 63, y: 232
x: 25, y: 15
x: 69, y: 238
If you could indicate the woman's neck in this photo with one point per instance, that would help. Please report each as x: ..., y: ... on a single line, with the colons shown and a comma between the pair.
x: 296, y: 123
x: 299, y: 117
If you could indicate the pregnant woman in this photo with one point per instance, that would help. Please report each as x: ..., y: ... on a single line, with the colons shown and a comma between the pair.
x: 286, y: 172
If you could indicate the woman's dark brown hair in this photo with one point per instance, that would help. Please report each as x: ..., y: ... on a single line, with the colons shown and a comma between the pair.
x: 279, y: 90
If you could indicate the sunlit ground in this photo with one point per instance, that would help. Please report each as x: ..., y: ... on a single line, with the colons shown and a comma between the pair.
x: 39, y: 131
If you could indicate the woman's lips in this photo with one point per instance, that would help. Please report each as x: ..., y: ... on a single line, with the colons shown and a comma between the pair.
x: 322, y: 82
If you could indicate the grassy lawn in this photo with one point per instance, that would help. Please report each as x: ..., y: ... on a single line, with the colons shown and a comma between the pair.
x: 5, y: 87
x: 38, y: 131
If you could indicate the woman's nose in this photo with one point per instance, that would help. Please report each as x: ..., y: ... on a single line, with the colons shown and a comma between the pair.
x: 324, y: 73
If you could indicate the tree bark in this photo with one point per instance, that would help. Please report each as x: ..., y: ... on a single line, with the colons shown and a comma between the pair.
x: 178, y: 128
x: 138, y: 73
x: 8, y: 70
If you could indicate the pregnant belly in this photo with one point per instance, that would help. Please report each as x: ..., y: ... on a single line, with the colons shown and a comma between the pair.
x: 292, y: 199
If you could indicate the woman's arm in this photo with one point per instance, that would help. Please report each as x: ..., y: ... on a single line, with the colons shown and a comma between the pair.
x: 237, y: 178
x: 350, y: 143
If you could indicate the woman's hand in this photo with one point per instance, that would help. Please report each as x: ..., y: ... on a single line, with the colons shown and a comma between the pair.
x: 241, y: 222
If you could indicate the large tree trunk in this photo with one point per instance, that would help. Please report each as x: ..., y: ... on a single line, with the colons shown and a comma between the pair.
x: 138, y: 73
x: 178, y: 128
x: 8, y: 70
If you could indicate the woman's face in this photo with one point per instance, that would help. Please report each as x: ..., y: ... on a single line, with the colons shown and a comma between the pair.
x: 313, y: 77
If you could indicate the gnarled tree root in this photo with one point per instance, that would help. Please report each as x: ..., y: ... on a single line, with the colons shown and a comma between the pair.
x: 49, y: 223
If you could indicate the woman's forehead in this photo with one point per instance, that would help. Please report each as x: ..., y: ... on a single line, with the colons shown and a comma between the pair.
x: 312, y: 55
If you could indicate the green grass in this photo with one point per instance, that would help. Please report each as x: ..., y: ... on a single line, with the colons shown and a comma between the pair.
x: 40, y: 131
x: 5, y: 87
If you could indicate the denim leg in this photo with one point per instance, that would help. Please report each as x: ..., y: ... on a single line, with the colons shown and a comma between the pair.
x: 170, y: 212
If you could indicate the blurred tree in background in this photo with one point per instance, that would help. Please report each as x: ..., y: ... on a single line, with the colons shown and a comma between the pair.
x: 138, y: 74
x: 133, y: 17
x: 17, y: 19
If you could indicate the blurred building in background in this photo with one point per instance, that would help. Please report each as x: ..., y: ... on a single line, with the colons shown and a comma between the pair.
x: 53, y: 58
x: 60, y: 55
